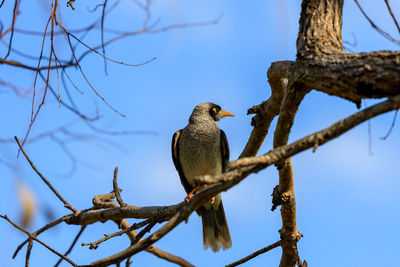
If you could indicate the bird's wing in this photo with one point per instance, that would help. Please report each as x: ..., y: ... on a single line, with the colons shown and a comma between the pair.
x: 177, y: 163
x: 224, y: 151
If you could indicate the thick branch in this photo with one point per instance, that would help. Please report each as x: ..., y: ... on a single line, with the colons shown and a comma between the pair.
x: 352, y: 76
x: 322, y: 65
x: 289, y: 234
x: 277, y: 74
x: 128, y: 211
x: 320, y: 28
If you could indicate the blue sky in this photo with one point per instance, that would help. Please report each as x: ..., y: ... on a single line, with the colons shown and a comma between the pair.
x: 347, y: 199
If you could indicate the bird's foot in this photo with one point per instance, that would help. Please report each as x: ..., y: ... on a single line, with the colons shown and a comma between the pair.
x: 189, y: 196
x: 191, y: 193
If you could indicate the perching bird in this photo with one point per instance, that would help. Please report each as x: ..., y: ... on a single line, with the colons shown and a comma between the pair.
x: 201, y: 148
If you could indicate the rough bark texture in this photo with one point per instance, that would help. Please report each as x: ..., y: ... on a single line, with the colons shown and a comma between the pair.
x: 321, y: 63
x: 352, y: 76
x: 320, y: 29
x: 289, y: 234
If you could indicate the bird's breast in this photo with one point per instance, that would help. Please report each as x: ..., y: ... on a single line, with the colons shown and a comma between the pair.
x: 200, y: 153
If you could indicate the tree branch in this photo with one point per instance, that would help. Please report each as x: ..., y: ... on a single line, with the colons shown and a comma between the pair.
x: 72, y: 245
x: 277, y: 74
x: 31, y: 236
x: 289, y: 234
x: 66, y: 204
x: 352, y: 76
x: 255, y: 254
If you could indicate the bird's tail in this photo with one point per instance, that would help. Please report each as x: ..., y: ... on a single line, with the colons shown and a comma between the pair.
x: 215, y: 228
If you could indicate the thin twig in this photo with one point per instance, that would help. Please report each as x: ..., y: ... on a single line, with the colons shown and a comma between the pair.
x: 38, y: 69
x: 144, y: 231
x: 31, y: 236
x: 70, y: 4
x: 154, y: 31
x: 392, y: 15
x: 28, y: 252
x: 14, y: 19
x: 72, y: 245
x: 103, y: 14
x: 108, y: 58
x: 255, y: 254
x: 95, y: 245
x: 369, y: 124
x: 391, y: 126
x: 116, y: 189
x: 84, y: 75
x: 379, y: 30
x: 122, y: 223
x: 18, y: 64
x: 66, y: 204
x: 38, y: 232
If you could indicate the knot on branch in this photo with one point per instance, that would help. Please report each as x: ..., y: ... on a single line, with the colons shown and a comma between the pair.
x: 104, y: 201
x: 289, y: 238
x: 279, y: 198
x: 281, y: 164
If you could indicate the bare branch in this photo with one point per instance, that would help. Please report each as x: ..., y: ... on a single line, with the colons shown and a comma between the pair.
x: 31, y: 236
x: 66, y: 204
x: 70, y: 4
x: 123, y: 35
x: 84, y: 75
x: 116, y: 189
x: 14, y: 19
x: 28, y: 252
x: 38, y: 232
x: 269, y: 109
x: 391, y: 126
x: 72, y: 245
x: 289, y: 234
x: 103, y: 14
x: 379, y: 30
x: 392, y: 15
x: 21, y: 65
x: 255, y: 254
x: 95, y: 245
x: 133, y: 235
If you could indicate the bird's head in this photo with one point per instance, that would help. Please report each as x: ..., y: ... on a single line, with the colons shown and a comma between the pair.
x: 208, y: 111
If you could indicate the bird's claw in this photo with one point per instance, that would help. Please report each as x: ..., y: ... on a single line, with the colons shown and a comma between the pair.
x: 189, y: 196
x: 212, y: 200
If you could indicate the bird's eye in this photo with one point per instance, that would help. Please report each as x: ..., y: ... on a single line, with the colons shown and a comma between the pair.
x: 214, y: 110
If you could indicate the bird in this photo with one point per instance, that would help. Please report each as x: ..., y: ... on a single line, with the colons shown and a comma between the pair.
x: 201, y: 148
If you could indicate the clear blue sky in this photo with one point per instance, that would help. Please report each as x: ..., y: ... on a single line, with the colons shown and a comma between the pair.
x: 347, y: 199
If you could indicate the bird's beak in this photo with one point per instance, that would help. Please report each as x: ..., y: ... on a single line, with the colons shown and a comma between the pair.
x: 225, y: 113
